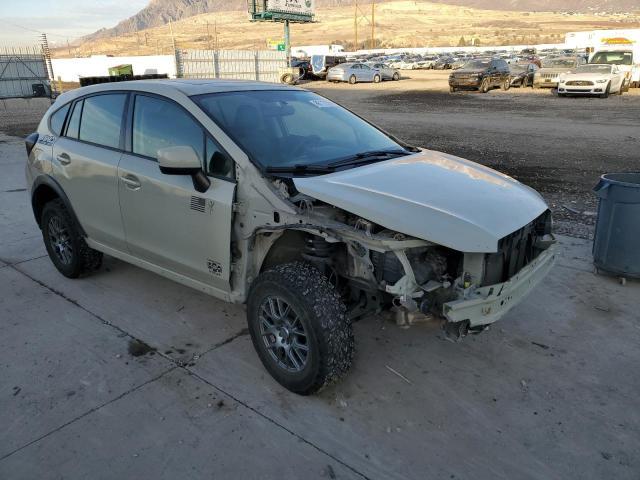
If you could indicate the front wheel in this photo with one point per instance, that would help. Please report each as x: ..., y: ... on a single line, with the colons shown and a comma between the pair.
x: 606, y: 92
x: 299, y: 327
x: 484, y: 86
x: 353, y: 80
x: 452, y: 89
x: 396, y: 76
x: 506, y: 84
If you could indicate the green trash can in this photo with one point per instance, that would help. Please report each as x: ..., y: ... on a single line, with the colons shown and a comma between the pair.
x: 616, y: 244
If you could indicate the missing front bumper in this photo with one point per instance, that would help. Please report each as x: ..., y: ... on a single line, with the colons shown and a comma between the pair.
x: 489, y: 304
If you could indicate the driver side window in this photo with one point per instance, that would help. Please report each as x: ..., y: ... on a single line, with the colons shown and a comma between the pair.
x: 159, y: 123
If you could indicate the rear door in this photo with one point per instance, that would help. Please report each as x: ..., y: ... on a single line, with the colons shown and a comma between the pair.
x: 85, y: 162
x: 167, y: 222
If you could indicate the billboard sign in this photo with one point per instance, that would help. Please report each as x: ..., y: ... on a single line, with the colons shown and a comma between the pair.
x: 299, y: 7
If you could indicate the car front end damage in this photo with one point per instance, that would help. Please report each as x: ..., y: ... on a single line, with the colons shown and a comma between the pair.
x: 380, y: 270
x: 484, y: 287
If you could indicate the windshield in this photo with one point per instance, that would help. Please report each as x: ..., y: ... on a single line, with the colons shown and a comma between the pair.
x: 593, y: 69
x: 476, y: 64
x: 559, y: 63
x: 613, y: 58
x: 286, y: 128
x: 518, y: 68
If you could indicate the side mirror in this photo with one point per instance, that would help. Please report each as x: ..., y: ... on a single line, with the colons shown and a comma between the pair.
x: 183, y: 160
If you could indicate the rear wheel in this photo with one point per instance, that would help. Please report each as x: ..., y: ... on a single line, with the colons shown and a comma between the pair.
x: 65, y: 245
x: 506, y: 84
x: 376, y: 79
x: 396, y: 76
x: 452, y: 89
x: 353, y: 80
x: 299, y: 327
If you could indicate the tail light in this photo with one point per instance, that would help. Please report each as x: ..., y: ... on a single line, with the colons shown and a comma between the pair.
x: 30, y: 142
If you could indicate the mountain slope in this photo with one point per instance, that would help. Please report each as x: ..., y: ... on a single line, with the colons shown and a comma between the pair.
x: 160, y: 12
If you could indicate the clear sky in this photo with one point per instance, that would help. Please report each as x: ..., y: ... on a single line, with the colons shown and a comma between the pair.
x: 60, y: 18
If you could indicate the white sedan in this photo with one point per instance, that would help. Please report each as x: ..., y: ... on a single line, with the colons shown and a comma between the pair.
x: 592, y: 79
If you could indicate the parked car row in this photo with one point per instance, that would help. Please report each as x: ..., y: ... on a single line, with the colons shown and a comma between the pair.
x: 567, y: 75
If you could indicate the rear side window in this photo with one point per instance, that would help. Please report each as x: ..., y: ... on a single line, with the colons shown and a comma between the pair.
x: 56, y: 122
x: 159, y: 124
x: 73, y: 125
x: 102, y: 119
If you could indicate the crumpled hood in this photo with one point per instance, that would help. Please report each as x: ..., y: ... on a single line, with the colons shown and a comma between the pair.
x: 433, y: 196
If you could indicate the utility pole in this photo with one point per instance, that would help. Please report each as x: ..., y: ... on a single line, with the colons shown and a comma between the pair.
x: 68, y: 47
x: 362, y: 17
x: 373, y: 24
x: 208, y: 36
x: 46, y: 53
x: 173, y: 39
x: 215, y: 34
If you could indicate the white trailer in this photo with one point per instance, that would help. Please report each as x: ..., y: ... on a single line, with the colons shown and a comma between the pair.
x: 618, y: 47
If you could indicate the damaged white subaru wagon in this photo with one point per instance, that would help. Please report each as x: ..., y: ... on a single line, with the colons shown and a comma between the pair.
x: 278, y: 198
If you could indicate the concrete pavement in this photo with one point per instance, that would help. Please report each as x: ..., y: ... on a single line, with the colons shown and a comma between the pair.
x: 125, y: 374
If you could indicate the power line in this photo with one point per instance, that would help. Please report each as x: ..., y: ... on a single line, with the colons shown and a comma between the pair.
x: 39, y: 31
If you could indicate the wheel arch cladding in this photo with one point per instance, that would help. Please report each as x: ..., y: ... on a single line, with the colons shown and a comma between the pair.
x: 44, y: 190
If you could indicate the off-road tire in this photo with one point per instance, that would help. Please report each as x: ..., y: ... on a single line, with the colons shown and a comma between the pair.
x: 484, y: 86
x: 287, y: 78
x: 396, y: 77
x: 322, y: 313
x: 376, y: 79
x: 353, y: 80
x: 83, y: 258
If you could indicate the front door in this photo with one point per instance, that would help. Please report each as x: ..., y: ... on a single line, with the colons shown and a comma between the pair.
x: 85, y: 162
x: 166, y: 221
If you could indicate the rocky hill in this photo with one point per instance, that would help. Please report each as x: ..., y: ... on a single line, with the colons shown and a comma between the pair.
x: 160, y: 12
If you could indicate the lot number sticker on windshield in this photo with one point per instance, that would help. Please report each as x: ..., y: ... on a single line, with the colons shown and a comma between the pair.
x: 321, y: 103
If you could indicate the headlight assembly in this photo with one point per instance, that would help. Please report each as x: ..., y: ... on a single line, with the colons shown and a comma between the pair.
x: 602, y: 80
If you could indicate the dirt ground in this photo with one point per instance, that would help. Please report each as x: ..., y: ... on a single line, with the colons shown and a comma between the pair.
x: 559, y: 146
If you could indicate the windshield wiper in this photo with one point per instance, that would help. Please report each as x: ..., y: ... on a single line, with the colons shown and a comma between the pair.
x: 301, y: 168
x: 365, y: 157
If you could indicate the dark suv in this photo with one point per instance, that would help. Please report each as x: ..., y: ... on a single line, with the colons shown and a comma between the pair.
x: 482, y: 75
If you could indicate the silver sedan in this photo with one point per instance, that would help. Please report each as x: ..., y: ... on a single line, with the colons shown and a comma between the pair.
x: 354, y: 73
x: 387, y: 72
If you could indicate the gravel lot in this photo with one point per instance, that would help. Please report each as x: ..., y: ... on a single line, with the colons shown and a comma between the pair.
x: 559, y: 146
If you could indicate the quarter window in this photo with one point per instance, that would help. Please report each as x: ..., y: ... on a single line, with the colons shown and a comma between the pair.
x: 73, y: 126
x: 57, y: 119
x: 102, y: 119
x: 218, y: 162
x: 159, y: 124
